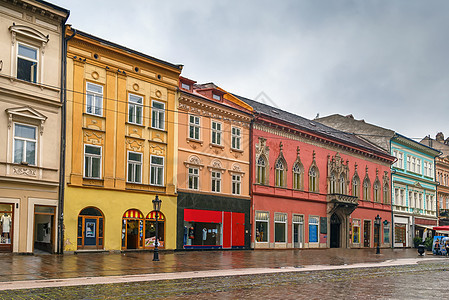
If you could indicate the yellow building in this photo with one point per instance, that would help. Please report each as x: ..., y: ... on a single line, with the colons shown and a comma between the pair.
x: 120, y: 148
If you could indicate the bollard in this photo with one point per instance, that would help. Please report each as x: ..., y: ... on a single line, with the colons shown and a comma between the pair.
x: 421, y: 249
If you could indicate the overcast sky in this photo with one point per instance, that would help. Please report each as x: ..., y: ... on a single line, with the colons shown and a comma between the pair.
x: 383, y: 61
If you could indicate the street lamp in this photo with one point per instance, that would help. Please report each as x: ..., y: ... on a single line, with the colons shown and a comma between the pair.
x: 157, y: 208
x: 377, y: 223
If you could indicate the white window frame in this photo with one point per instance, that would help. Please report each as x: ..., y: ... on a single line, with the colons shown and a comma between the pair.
x: 157, y: 168
x: 29, y: 59
x: 157, y: 115
x: 132, y: 118
x: 236, y: 138
x: 26, y: 141
x: 236, y: 184
x: 195, y: 178
x: 216, y: 133
x: 94, y: 96
x: 216, y: 97
x: 265, y: 220
x: 418, y: 166
x: 196, y: 127
x: 281, y: 218
x: 91, y: 156
x: 400, y: 160
x: 215, y: 181
x: 132, y: 168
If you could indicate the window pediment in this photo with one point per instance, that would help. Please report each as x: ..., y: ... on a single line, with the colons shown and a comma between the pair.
x: 194, y: 161
x: 28, y: 32
x: 26, y: 112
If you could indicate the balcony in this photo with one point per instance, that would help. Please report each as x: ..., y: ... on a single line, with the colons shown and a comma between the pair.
x: 344, y: 203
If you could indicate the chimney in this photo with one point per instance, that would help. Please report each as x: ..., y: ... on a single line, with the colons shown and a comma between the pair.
x: 440, y: 137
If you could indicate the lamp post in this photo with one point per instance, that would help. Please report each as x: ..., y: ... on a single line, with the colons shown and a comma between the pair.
x: 377, y: 223
x: 157, y: 208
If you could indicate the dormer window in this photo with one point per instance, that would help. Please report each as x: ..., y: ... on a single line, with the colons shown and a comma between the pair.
x: 216, y: 97
x: 185, y: 86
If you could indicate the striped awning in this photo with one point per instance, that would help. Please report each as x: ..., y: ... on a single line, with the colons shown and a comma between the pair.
x: 133, y: 214
x: 152, y: 216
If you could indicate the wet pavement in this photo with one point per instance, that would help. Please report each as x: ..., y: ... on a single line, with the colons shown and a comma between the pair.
x: 37, y: 267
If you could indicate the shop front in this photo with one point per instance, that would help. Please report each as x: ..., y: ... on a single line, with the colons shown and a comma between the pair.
x: 139, y: 232
x: 401, y: 231
x: 6, y: 222
x: 44, y: 228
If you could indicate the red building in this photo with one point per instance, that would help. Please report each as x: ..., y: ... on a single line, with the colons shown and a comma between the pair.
x: 314, y: 186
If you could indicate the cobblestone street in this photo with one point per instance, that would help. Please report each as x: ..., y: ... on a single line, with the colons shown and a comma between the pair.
x: 420, y: 281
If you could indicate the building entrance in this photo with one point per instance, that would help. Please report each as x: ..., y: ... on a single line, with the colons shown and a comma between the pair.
x: 90, y: 228
x: 367, y: 233
x: 335, y: 231
x: 44, y: 229
x: 6, y: 227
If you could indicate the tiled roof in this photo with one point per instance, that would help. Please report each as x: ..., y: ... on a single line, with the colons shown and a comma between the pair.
x: 310, y: 125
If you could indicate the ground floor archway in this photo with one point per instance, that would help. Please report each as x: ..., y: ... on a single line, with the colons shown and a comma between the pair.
x: 335, y: 231
x: 90, y: 229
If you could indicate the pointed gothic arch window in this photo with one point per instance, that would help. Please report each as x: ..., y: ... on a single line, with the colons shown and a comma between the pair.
x: 313, y: 179
x: 386, y: 192
x: 261, y: 167
x: 342, y: 184
x: 356, y: 186
x: 376, y: 190
x: 366, y: 189
x: 298, y: 174
x: 333, y: 183
x: 280, y: 175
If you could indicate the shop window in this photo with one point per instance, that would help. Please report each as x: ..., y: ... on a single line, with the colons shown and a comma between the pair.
x: 194, y: 178
x: 261, y: 165
x: 134, y: 167
x: 216, y: 181
x: 194, y: 127
x: 298, y: 230
x: 236, y: 138
x: 27, y: 62
x: 25, y: 140
x: 158, y: 115
x: 313, y: 229
x: 262, y: 219
x: 90, y: 228
x: 280, y: 227
x: 236, y: 184
x: 216, y: 133
x: 356, y: 231
x: 94, y: 99
x: 6, y: 225
x: 150, y: 229
x: 92, y: 161
x: 386, y: 234
x: 157, y: 170
x: 133, y: 229
x: 135, y: 109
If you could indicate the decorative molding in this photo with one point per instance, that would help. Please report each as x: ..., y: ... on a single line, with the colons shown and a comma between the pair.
x: 24, y: 171
x: 216, y: 165
x: 28, y: 113
x: 236, y: 170
x: 93, y: 137
x: 157, y: 150
x: 194, y: 161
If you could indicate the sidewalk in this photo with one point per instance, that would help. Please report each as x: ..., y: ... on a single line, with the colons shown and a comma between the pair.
x: 49, y: 267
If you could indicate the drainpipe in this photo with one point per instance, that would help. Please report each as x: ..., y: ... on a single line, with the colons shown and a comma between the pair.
x: 63, y: 138
x: 391, y: 203
x: 251, y: 164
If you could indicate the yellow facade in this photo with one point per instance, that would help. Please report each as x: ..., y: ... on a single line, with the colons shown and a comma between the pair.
x: 120, y: 150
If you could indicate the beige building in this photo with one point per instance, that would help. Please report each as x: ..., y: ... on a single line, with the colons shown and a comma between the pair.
x: 30, y: 124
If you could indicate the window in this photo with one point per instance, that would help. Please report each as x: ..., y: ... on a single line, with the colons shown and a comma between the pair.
x: 397, y: 200
x: 236, y: 138
x: 297, y: 179
x: 313, y: 179
x: 413, y: 164
x: 356, y: 231
x: 92, y: 161
x: 342, y: 184
x: 27, y: 63
x: 135, y: 109
x: 280, y: 227
x: 386, y: 193
x: 409, y: 166
x: 260, y: 170
x: 185, y: 86
x: 216, y: 133
x: 418, y: 166
x: 236, y: 184
x: 386, y: 234
x: 366, y: 189
x: 134, y: 167
x: 400, y: 162
x: 158, y: 115
x: 402, y: 197
x: 156, y: 170
x: 262, y: 219
x: 441, y: 202
x: 194, y: 178
x: 194, y: 127
x: 280, y: 173
x: 447, y: 202
x: 332, y: 184
x: 94, y: 99
x: 216, y: 97
x: 376, y: 191
x: 216, y: 181
x: 356, y: 186
x: 25, y: 140
x: 313, y: 229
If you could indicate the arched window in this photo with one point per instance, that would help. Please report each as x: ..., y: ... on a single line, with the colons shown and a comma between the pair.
x: 261, y: 165
x: 297, y: 176
x: 132, y: 229
x: 366, y: 189
x: 386, y: 193
x: 313, y: 179
x: 376, y: 190
x: 90, y: 229
x: 356, y: 186
x: 150, y: 229
x: 280, y: 173
x: 342, y: 184
x: 332, y: 184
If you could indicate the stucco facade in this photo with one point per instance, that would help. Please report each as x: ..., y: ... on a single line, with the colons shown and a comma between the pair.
x: 121, y: 146
x: 30, y: 118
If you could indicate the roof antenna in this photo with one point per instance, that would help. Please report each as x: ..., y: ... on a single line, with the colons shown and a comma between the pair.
x: 317, y: 116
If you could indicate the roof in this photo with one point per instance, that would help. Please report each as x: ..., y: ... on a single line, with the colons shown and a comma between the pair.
x: 106, y: 42
x: 311, y: 126
x: 53, y: 6
x: 418, y: 146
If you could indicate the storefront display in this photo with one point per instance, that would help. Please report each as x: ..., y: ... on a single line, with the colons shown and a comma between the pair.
x: 6, y: 227
x: 150, y: 230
